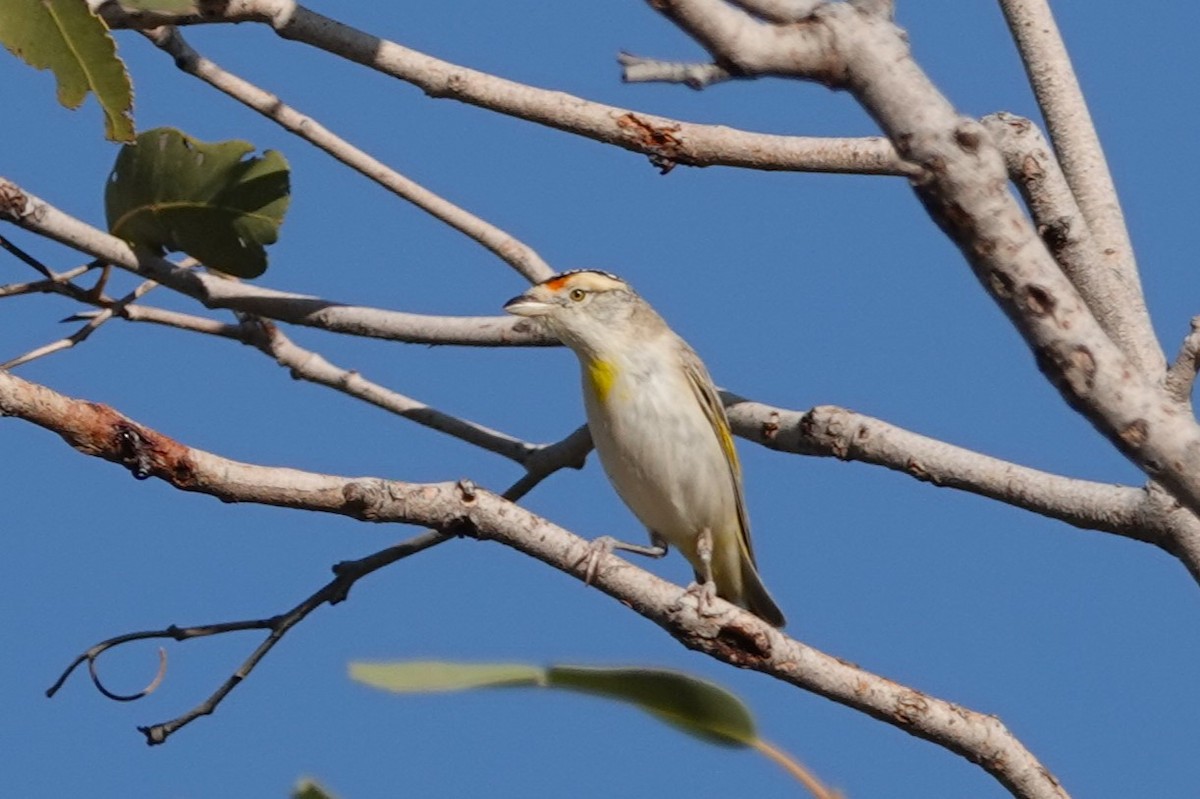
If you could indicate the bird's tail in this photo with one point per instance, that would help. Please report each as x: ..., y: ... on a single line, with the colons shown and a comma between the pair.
x: 754, y: 596
x: 739, y: 583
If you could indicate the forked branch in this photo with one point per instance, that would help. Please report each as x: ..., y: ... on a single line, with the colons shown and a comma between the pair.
x: 963, y: 187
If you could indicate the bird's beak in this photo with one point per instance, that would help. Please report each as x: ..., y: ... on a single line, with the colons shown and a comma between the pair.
x: 525, y: 305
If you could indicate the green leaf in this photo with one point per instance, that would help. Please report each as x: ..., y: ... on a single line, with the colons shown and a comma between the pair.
x: 692, y: 705
x: 432, y: 676
x: 65, y: 37
x: 696, y: 706
x: 308, y: 788
x: 172, y: 192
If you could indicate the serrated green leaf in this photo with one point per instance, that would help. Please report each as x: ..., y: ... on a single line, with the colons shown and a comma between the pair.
x: 696, y: 706
x: 431, y: 676
x: 687, y: 703
x: 308, y: 788
x: 172, y: 192
x: 65, y: 37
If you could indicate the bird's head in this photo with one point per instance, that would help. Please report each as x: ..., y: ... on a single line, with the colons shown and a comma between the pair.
x: 586, y: 309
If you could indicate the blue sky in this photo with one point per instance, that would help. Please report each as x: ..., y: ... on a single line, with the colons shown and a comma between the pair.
x: 796, y: 289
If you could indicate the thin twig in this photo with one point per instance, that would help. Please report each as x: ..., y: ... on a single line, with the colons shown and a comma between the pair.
x: 565, y: 453
x: 27, y: 259
x: 635, y: 69
x: 311, y: 366
x: 59, y: 284
x: 516, y: 253
x: 797, y: 770
x: 84, y: 332
x: 176, y: 319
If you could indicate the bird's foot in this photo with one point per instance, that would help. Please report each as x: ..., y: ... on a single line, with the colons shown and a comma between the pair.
x: 605, y: 545
x: 705, y: 594
x: 597, y: 549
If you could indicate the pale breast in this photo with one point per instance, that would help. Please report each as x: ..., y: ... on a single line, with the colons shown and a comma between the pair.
x: 660, y: 452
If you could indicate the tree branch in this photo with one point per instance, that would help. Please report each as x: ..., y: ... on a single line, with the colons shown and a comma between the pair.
x: 664, y: 140
x: 1065, y: 110
x: 830, y: 431
x: 782, y: 11
x: 635, y: 69
x: 36, y: 215
x: 82, y: 334
x: 303, y: 364
x: 311, y: 366
x: 965, y: 191
x: 346, y: 574
x: 516, y: 253
x: 1181, y: 377
x: 1117, y: 304
x: 722, y: 631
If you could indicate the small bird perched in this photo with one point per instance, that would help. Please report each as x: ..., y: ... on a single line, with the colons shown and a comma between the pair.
x: 659, y: 427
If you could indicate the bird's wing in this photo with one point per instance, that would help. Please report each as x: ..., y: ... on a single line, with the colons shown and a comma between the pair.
x: 710, y: 403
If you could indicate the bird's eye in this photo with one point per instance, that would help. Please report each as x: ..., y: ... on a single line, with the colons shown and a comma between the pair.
x: 577, y: 295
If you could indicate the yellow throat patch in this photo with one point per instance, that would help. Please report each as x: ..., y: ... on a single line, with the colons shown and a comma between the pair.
x: 601, y: 375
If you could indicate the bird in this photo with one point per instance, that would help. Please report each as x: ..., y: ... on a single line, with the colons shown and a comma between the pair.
x: 660, y: 430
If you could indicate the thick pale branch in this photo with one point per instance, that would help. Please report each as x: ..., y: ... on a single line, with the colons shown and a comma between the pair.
x: 783, y: 11
x: 36, y: 215
x: 1078, y: 147
x: 724, y: 631
x: 666, y: 141
x: 829, y: 431
x: 965, y: 191
x: 1116, y: 303
x: 516, y: 253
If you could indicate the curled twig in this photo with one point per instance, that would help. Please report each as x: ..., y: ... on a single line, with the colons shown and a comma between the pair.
x: 546, y: 460
x: 93, y: 654
x: 149, y: 689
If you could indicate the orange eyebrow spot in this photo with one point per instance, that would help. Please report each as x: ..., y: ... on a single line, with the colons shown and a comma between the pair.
x: 556, y: 283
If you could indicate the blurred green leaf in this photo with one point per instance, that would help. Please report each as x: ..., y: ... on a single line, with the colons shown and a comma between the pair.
x: 308, y: 788
x: 65, y: 37
x: 692, y: 705
x: 695, y: 706
x: 433, y: 676
x: 172, y: 192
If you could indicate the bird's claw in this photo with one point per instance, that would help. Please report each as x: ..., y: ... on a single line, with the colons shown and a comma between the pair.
x: 597, y: 549
x: 705, y: 594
